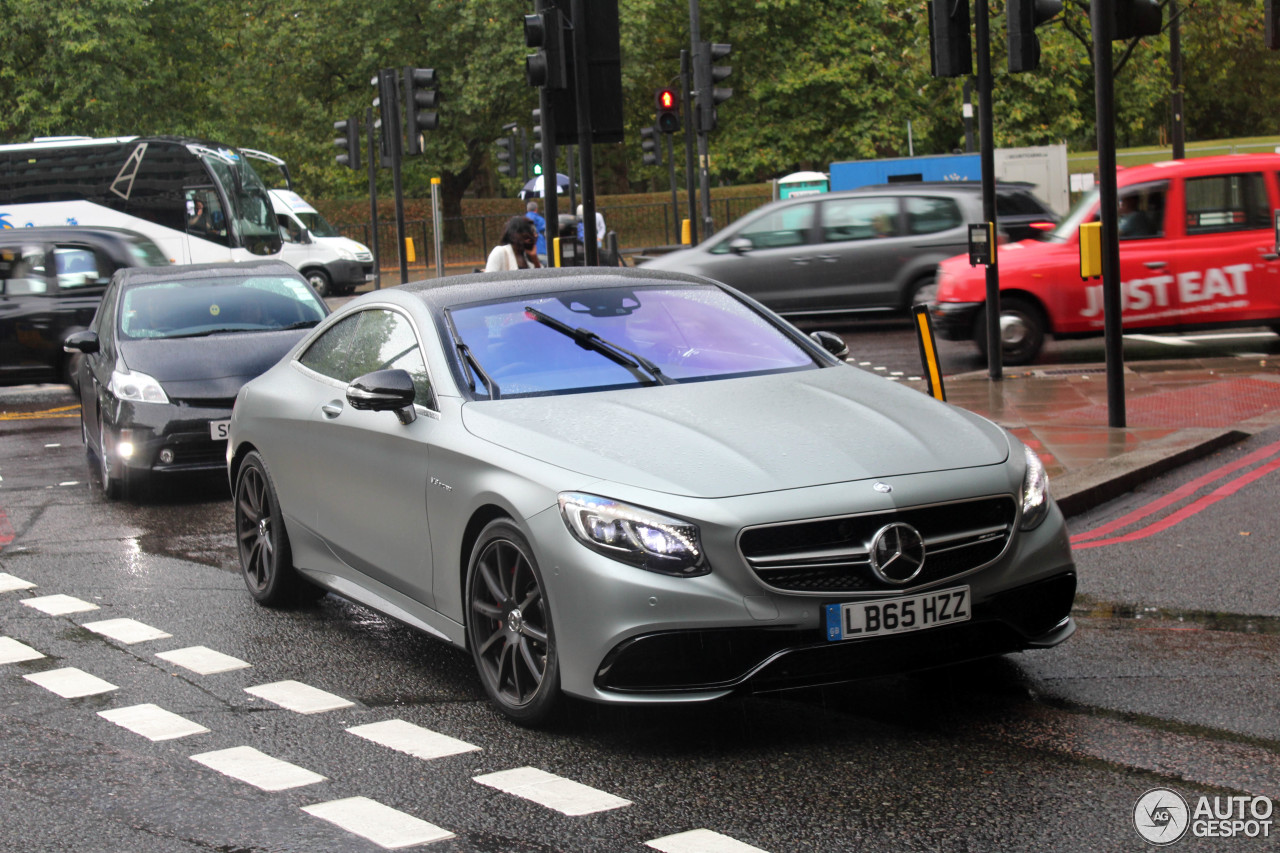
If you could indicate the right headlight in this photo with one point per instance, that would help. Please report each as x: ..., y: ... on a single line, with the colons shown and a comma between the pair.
x: 633, y: 535
x: 136, y: 387
x: 1035, y: 491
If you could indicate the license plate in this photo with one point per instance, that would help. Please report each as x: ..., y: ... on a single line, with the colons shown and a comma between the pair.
x: 219, y: 430
x: 897, y: 615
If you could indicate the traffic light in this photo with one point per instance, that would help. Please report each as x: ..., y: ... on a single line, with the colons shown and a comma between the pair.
x: 711, y: 95
x: 421, y: 94
x: 667, y: 103
x: 506, y: 156
x: 950, y: 51
x: 1271, y: 11
x: 537, y: 141
x: 649, y: 144
x: 1136, y: 18
x: 547, y: 67
x: 1022, y: 19
x: 349, y: 142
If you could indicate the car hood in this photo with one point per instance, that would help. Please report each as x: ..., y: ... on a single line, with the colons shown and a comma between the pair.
x: 211, y: 368
x: 743, y: 436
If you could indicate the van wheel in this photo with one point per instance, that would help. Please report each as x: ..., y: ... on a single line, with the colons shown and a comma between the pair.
x: 1022, y: 330
x: 319, y: 280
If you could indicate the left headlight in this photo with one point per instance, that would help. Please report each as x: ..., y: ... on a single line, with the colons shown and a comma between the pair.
x: 1035, y: 491
x: 136, y: 387
x: 634, y: 535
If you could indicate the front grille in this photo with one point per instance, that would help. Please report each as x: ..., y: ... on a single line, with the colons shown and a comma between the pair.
x: 364, y: 257
x: 832, y: 555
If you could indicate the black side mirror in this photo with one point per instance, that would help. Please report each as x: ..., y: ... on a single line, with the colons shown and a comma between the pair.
x: 86, y: 342
x: 384, y: 391
x: 831, y: 342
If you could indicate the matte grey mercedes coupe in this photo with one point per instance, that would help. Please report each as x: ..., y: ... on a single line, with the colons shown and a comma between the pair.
x: 632, y: 486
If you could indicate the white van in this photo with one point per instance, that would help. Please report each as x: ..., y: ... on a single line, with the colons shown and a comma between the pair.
x: 332, y: 263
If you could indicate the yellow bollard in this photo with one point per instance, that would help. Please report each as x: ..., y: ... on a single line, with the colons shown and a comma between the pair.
x: 409, y: 253
x: 555, y: 252
x: 686, y: 232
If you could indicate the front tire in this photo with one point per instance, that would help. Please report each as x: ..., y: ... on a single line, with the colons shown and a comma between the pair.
x: 1022, y: 330
x: 112, y: 481
x: 319, y: 281
x: 266, y: 559
x: 509, y: 628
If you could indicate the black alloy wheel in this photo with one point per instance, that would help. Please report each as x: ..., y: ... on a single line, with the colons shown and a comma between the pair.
x: 509, y: 627
x: 266, y: 559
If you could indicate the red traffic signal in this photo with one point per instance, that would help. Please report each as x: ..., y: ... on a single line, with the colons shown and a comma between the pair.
x: 668, y: 110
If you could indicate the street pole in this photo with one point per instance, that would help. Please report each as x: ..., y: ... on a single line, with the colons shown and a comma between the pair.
x: 436, y: 227
x: 1104, y: 83
x: 390, y: 93
x: 583, y: 103
x: 675, y: 195
x: 995, y: 354
x: 375, y: 153
x: 690, y: 119
x: 1175, y: 66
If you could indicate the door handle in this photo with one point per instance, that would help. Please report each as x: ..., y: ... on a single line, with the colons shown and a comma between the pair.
x: 1156, y: 265
x: 800, y: 261
x: 331, y: 410
x: 829, y: 258
x: 1267, y: 253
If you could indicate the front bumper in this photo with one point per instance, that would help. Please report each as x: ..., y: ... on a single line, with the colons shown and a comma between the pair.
x: 168, y: 438
x: 953, y: 321
x: 346, y: 274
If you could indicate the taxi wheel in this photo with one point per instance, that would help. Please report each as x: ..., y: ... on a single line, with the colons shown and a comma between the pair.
x: 1022, y: 330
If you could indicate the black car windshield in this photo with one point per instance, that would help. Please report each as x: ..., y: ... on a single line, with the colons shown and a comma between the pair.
x: 198, y: 307
x: 691, y: 333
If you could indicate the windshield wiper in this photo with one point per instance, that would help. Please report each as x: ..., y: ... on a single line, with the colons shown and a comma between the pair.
x: 472, y: 364
x: 589, y: 340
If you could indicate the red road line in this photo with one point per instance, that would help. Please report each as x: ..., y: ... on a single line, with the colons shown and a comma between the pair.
x: 1177, y: 494
x: 6, y: 528
x: 1223, y: 491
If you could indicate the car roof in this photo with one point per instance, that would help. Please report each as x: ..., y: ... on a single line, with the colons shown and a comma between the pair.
x: 483, y: 287
x: 960, y: 186
x: 196, y: 272
x: 1217, y: 164
x: 73, y: 232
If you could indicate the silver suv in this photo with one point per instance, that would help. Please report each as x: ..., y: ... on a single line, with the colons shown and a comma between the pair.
x: 871, y: 249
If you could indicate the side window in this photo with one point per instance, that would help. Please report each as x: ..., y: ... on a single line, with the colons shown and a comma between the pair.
x: 80, y: 266
x: 371, y: 340
x: 23, y: 270
x: 931, y: 215
x: 1141, y: 213
x: 1219, y: 203
x: 859, y: 219
x: 1018, y: 203
x: 778, y: 229
x: 104, y: 321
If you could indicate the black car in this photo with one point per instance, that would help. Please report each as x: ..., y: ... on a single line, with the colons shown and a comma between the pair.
x: 51, y: 280
x: 875, y: 248
x: 167, y: 353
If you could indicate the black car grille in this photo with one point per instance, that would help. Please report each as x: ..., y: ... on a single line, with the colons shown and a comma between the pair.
x: 833, y: 554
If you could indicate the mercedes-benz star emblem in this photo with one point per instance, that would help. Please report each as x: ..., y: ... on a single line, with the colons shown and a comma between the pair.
x: 897, y: 553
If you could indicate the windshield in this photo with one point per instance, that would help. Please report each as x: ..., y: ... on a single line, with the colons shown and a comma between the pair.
x: 200, y: 307
x: 689, y: 334
x: 253, y: 222
x: 1068, y: 227
x: 318, y: 225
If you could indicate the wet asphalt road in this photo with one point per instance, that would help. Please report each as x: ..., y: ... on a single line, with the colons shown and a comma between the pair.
x: 1170, y: 681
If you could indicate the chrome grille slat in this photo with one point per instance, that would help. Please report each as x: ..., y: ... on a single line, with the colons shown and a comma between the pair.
x: 831, y: 556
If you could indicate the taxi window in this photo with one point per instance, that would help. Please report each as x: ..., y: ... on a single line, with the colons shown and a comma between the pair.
x: 1218, y: 203
x: 1141, y: 213
x: 22, y: 271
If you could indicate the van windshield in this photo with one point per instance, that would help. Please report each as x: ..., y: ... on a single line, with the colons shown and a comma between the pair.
x: 317, y: 225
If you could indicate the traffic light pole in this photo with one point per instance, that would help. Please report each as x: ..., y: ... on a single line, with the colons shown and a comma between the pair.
x: 583, y: 102
x: 550, y: 179
x: 690, y: 127
x: 703, y: 88
x: 982, y: 30
x: 1104, y: 95
x: 374, y: 152
x: 675, y: 194
x: 390, y: 93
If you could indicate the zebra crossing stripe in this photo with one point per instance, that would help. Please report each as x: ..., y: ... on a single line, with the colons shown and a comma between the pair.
x: 299, y: 697
x: 58, y: 605
x: 152, y: 722
x: 9, y: 583
x: 414, y: 740
x: 700, y: 841
x: 202, y: 661
x: 554, y: 792
x: 12, y: 651
x: 127, y: 631
x: 70, y: 683
x: 389, y: 828
x: 257, y: 768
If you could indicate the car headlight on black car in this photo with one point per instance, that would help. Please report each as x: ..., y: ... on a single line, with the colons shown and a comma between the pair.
x: 633, y: 535
x: 136, y: 387
x: 1035, y: 491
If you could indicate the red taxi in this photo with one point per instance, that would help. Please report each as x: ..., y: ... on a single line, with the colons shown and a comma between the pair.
x: 1197, y: 250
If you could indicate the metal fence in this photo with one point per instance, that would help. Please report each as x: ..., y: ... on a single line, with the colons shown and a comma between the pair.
x: 640, y: 228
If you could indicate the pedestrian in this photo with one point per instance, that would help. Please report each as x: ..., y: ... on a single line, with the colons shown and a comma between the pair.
x: 539, y: 222
x: 599, y: 228
x: 518, y: 249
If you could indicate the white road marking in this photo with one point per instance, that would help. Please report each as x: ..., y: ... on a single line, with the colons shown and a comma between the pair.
x: 257, y: 769
x: 700, y: 841
x: 1167, y: 340
x: 70, y: 683
x: 59, y: 605
x: 405, y: 737
x: 9, y: 583
x: 203, y: 661
x: 12, y: 651
x: 53, y: 445
x: 387, y: 827
x: 152, y: 722
x: 126, y: 631
x: 296, y: 696
x: 554, y: 792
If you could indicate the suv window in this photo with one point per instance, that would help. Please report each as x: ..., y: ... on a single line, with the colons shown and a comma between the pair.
x: 777, y: 229
x: 859, y: 219
x: 1018, y: 203
x: 931, y: 215
x: 1219, y: 203
x: 376, y: 339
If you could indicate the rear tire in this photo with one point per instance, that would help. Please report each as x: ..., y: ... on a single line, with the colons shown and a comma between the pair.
x: 1022, y: 330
